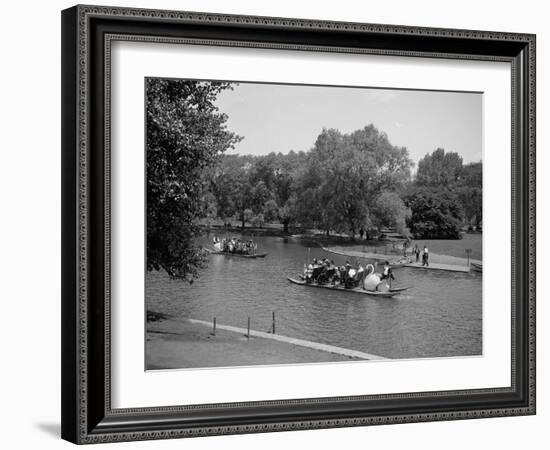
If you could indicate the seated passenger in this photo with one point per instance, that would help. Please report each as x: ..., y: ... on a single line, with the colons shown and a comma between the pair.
x: 336, y: 280
x: 316, y: 272
x: 343, y: 274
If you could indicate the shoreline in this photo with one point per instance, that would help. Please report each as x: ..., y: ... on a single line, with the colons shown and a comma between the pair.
x: 320, y: 239
x: 185, y: 343
x: 437, y: 261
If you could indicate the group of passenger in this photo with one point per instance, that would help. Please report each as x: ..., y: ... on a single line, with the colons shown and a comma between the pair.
x: 325, y: 271
x: 235, y: 245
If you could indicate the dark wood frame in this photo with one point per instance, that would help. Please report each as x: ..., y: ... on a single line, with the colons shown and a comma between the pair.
x: 87, y: 32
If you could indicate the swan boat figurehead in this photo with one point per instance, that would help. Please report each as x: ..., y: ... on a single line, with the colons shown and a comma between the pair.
x: 372, y: 281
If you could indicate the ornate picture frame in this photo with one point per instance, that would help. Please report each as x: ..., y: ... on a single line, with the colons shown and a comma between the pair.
x: 87, y: 35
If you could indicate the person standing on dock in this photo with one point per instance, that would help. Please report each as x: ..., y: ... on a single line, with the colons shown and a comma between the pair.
x: 416, y: 252
x: 425, y: 256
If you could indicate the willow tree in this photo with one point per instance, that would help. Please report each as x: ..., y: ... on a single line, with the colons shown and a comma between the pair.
x: 186, y: 133
x: 345, y: 175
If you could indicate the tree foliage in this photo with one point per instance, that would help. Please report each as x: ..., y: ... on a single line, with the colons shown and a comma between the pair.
x: 391, y: 212
x: 333, y: 187
x: 443, y: 181
x: 439, y: 169
x: 261, y: 184
x: 470, y: 193
x: 185, y: 136
x: 434, y: 214
x: 344, y: 175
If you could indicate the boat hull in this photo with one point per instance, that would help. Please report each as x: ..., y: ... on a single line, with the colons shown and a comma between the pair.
x: 236, y: 255
x: 388, y: 294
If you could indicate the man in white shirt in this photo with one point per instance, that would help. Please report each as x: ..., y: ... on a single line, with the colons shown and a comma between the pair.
x: 425, y: 257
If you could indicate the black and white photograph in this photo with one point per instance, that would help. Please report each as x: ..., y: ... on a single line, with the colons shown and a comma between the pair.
x: 275, y: 225
x: 299, y: 224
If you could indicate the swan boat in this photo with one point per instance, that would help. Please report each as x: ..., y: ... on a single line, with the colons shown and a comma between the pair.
x: 368, y: 284
x: 390, y: 293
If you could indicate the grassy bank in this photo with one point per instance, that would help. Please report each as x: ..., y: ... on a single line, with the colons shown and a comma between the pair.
x: 177, y: 343
x: 473, y: 241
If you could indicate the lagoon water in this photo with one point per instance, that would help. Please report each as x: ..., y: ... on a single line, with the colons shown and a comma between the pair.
x: 440, y: 316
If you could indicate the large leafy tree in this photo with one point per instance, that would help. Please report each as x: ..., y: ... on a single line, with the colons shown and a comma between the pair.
x: 470, y: 193
x: 315, y: 195
x: 434, y: 214
x: 288, y: 212
x: 277, y: 172
x: 444, y: 175
x: 233, y: 188
x: 390, y: 211
x: 439, y: 169
x: 186, y: 133
x: 260, y: 186
x: 344, y: 175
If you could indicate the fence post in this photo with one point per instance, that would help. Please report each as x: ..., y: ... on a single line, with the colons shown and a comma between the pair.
x: 214, y: 327
x: 248, y: 329
x: 468, y: 253
x: 273, y: 321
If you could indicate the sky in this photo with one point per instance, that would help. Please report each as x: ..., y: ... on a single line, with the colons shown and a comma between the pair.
x: 280, y: 118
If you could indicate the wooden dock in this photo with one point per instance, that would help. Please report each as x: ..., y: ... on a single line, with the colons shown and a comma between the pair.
x: 294, y: 341
x: 413, y: 265
x: 438, y: 266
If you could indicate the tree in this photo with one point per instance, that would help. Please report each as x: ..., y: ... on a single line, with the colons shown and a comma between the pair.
x: 390, y: 211
x: 334, y: 186
x: 472, y: 174
x: 209, y: 209
x: 186, y: 133
x: 259, y: 196
x: 287, y: 213
x: 271, y: 211
x: 393, y: 163
x: 434, y: 215
x: 232, y: 188
x: 258, y: 220
x: 314, y: 195
x: 471, y: 199
x: 344, y: 175
x: 247, y: 216
x: 276, y: 172
x: 445, y: 173
x: 439, y: 169
x: 470, y: 193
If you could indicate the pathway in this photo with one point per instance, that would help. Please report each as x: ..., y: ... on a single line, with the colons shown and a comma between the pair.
x: 294, y: 341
